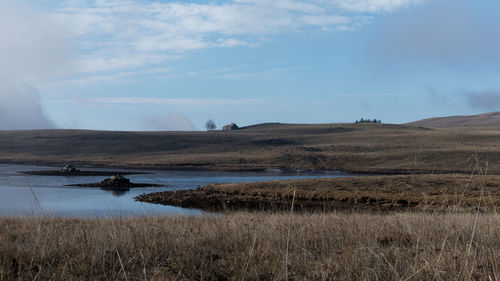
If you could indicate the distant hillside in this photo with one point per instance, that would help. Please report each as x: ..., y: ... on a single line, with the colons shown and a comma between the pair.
x: 362, y: 147
x: 491, y: 119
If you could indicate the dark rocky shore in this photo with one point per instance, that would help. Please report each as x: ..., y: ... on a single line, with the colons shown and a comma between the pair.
x: 220, y: 201
x: 116, y: 182
x: 71, y: 170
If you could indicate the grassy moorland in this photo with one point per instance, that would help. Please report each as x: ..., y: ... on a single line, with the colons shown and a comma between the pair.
x: 253, y: 246
x: 439, y: 221
x: 490, y: 119
x: 347, y: 147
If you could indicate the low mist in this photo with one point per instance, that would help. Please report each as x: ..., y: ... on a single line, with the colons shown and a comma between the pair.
x: 21, y: 108
x: 33, y: 50
x: 168, y: 122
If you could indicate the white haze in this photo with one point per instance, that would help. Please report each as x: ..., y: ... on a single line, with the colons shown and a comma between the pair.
x: 168, y: 122
x: 32, y: 50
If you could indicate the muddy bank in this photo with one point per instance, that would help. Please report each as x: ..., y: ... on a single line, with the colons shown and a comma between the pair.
x: 373, y: 193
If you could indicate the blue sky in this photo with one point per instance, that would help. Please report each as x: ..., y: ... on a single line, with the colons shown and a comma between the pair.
x: 167, y: 65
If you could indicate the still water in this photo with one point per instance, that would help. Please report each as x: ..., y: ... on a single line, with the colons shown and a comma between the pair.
x: 22, y: 194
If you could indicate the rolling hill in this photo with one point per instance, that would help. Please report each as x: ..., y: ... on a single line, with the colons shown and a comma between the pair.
x: 372, y: 148
x: 491, y: 119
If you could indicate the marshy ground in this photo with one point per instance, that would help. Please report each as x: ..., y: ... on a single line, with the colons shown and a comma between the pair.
x: 442, y: 192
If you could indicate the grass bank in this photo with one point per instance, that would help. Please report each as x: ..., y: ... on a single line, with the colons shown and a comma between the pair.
x: 253, y: 246
x: 442, y: 192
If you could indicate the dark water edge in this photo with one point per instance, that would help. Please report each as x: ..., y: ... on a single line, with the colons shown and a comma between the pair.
x: 83, y: 173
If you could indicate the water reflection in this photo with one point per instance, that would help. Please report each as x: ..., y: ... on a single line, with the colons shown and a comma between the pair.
x: 119, y: 192
x: 22, y: 194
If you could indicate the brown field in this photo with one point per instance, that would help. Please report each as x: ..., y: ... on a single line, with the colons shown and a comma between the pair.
x: 378, y: 148
x: 373, y: 193
x: 253, y: 246
x: 490, y: 119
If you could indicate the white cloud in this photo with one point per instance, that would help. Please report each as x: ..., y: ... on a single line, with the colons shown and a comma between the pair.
x: 121, y: 34
x: 373, y: 6
x: 286, y: 5
x: 324, y: 20
x: 231, y: 42
x: 162, y: 101
x: 110, y: 77
x: 90, y: 63
x: 30, y: 43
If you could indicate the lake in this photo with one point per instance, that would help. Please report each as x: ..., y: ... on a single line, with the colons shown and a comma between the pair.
x: 25, y: 195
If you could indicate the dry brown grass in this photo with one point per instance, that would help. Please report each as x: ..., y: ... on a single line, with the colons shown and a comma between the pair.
x: 349, y: 147
x: 441, y: 192
x: 252, y: 246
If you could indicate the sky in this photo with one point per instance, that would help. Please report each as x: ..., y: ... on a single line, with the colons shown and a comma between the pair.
x: 173, y: 65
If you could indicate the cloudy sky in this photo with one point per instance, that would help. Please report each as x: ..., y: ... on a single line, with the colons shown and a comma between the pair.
x: 172, y: 65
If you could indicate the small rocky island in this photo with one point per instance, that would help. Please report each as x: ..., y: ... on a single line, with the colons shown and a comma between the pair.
x: 116, y: 182
x: 70, y: 170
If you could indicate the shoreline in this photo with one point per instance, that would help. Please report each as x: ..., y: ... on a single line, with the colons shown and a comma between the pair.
x: 79, y: 173
x: 210, y: 168
x: 427, y: 193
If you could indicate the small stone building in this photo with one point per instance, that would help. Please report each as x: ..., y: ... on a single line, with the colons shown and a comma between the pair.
x: 230, y: 127
x: 69, y: 169
x: 116, y: 181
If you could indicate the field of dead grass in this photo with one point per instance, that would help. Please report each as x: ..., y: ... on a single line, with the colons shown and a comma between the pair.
x: 254, y: 246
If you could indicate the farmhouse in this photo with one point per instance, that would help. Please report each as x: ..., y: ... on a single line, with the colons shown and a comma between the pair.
x: 230, y: 127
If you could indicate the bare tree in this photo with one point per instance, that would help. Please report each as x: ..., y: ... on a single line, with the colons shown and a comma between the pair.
x: 210, y: 125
